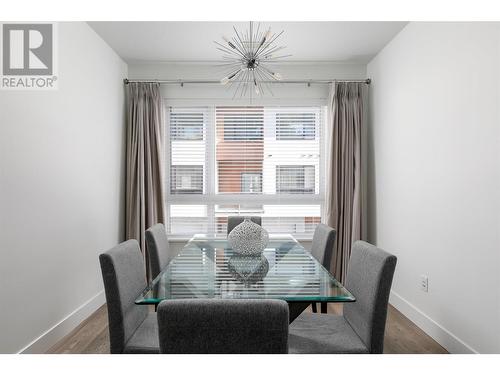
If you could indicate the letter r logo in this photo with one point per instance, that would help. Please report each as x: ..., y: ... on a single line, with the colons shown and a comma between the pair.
x: 27, y: 49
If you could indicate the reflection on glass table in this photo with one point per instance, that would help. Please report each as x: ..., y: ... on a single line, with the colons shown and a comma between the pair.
x: 208, y: 268
x: 248, y: 269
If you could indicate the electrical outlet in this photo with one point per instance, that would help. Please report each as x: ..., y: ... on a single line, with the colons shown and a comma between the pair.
x: 424, y: 283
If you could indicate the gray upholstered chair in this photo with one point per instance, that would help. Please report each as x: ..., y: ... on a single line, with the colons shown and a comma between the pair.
x: 132, y: 328
x: 233, y: 221
x: 215, y: 326
x: 361, y: 328
x: 322, y: 250
x: 158, y: 249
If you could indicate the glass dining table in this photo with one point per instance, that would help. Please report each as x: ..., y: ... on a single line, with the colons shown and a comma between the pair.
x: 208, y: 268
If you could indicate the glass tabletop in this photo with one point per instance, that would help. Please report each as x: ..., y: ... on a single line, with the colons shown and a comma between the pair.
x: 208, y: 268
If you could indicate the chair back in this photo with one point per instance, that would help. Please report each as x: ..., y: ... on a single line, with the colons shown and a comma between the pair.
x: 322, y: 244
x: 233, y: 221
x: 124, y: 279
x: 215, y: 326
x: 158, y: 249
x: 369, y: 278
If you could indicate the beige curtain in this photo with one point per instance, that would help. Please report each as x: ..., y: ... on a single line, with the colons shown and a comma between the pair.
x: 145, y: 140
x: 344, y: 190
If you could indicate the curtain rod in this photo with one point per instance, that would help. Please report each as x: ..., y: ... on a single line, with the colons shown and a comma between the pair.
x: 181, y: 82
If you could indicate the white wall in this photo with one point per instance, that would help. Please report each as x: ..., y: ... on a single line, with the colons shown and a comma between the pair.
x: 62, y: 173
x: 435, y: 177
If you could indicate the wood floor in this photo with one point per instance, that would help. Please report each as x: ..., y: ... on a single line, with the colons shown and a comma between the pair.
x: 401, y: 336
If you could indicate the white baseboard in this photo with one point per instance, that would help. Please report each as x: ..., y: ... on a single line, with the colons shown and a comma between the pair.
x: 444, y: 337
x: 50, y: 337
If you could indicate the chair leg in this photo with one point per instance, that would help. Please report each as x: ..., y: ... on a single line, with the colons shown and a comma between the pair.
x: 324, y: 307
x: 313, y: 305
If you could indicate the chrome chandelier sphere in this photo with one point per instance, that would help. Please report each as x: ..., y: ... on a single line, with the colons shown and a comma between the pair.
x: 247, y: 59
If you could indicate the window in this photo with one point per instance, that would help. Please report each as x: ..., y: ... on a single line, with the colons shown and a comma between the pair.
x: 251, y: 183
x: 295, y: 126
x: 186, y: 126
x: 186, y: 179
x: 257, y: 160
x: 186, y: 154
x: 296, y: 179
x: 241, y: 124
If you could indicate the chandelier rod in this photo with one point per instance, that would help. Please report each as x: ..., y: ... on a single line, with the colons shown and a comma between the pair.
x: 181, y: 82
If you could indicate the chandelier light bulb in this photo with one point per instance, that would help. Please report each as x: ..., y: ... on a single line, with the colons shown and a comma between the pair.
x: 265, y: 38
x: 224, y: 81
x: 268, y: 34
x: 277, y: 76
x: 257, y: 91
x: 229, y: 42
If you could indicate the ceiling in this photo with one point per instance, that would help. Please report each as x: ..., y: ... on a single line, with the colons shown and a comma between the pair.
x: 193, y: 41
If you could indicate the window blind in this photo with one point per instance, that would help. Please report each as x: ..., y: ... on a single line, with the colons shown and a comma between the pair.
x: 244, y: 160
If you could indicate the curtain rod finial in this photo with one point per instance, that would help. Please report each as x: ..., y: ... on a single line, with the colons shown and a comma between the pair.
x: 368, y: 81
x: 125, y: 81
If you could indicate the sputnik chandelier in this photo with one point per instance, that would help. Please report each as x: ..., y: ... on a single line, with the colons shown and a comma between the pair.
x: 247, y: 59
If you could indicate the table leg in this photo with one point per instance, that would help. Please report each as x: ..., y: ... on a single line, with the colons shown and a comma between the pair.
x: 296, y: 308
x: 323, y: 308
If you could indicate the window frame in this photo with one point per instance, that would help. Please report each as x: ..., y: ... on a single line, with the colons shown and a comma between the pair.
x: 209, y: 197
